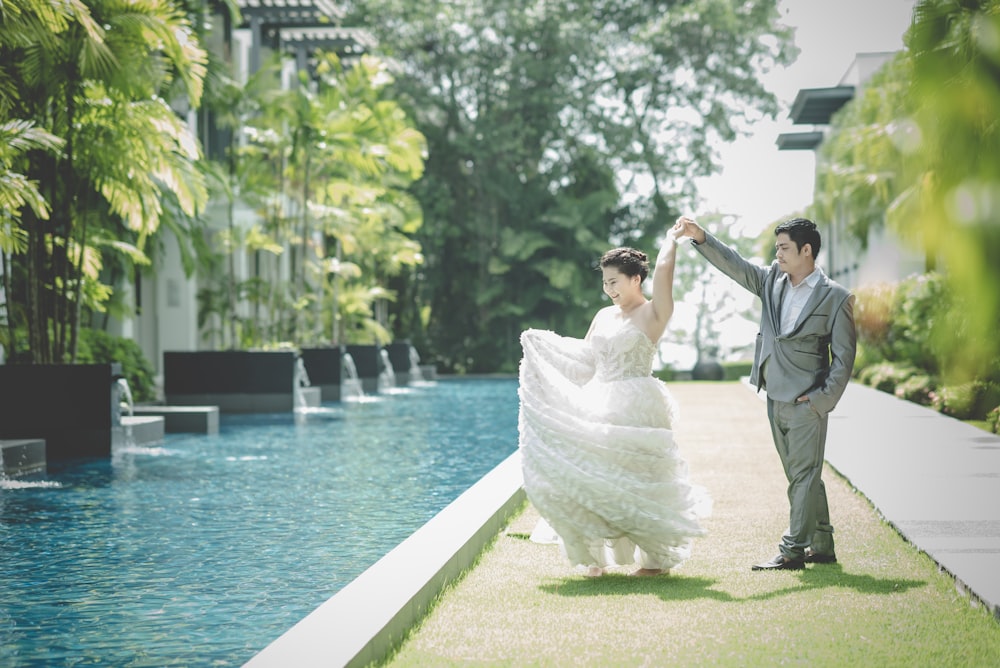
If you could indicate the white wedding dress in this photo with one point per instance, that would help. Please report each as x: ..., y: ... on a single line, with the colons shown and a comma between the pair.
x: 598, y: 454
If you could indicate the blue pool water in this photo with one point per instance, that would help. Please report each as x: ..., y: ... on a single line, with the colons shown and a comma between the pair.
x: 204, y: 549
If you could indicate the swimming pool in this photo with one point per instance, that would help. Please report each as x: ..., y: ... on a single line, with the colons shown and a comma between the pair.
x: 203, y: 550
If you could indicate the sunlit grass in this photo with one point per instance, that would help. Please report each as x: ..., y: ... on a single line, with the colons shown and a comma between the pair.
x: 884, y: 604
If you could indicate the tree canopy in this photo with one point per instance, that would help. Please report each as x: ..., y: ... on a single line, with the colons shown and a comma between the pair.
x: 555, y: 130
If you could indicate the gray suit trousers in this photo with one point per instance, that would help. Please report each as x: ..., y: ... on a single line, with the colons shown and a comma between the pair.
x: 800, y: 437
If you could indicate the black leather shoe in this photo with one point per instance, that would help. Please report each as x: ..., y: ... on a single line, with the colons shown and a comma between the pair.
x: 819, y: 558
x: 780, y: 563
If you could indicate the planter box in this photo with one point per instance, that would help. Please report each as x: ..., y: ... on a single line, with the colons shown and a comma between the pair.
x: 22, y: 457
x: 184, y: 419
x: 237, y: 381
x: 325, y: 367
x: 368, y: 362
x: 405, y: 362
x: 72, y: 407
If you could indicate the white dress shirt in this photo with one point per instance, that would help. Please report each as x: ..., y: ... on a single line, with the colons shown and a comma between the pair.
x: 795, y: 299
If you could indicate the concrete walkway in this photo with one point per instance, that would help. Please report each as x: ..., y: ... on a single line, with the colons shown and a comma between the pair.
x: 934, y: 478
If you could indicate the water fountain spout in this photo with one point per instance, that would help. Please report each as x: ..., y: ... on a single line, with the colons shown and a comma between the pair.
x: 301, y: 380
x: 387, y: 377
x: 125, y: 403
x: 122, y: 410
x: 351, y: 387
x: 416, y: 375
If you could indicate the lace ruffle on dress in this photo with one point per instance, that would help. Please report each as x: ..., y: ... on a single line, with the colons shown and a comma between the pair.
x: 597, y: 449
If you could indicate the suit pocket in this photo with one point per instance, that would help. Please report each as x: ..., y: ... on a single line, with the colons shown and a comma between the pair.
x: 815, y: 324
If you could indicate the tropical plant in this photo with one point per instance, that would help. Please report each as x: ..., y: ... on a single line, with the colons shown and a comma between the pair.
x: 325, y: 164
x: 97, y: 346
x: 861, y: 173
x: 93, y: 75
x: 955, y: 48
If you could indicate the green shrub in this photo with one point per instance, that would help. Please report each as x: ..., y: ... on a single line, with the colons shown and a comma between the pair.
x: 873, y: 316
x: 907, y: 323
x: 736, y: 370
x: 97, y: 347
x: 918, y: 388
x: 958, y: 401
x: 867, y: 356
x: 666, y: 374
x: 922, y: 318
x: 988, y: 397
x: 885, y: 376
x: 993, y: 420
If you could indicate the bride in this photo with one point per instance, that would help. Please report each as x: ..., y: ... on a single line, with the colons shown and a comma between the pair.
x: 596, y: 430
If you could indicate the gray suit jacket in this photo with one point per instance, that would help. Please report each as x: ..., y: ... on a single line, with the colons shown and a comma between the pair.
x: 816, y: 358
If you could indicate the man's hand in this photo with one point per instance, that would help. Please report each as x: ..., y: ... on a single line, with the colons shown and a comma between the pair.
x: 686, y: 227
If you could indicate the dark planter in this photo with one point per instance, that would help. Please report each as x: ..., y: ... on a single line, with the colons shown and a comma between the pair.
x: 325, y: 367
x: 368, y: 362
x: 73, y: 407
x: 404, y: 359
x: 237, y: 381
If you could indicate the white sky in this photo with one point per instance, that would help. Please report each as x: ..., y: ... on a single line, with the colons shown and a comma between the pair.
x: 761, y: 184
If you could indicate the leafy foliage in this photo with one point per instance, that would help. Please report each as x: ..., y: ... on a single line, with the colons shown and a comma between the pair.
x: 900, y: 322
x: 88, y: 78
x: 861, y: 168
x: 555, y: 130
x: 100, y: 347
x: 917, y: 150
x: 325, y: 165
x: 956, y: 82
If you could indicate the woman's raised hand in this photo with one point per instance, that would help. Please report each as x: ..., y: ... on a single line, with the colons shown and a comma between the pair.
x: 687, y: 227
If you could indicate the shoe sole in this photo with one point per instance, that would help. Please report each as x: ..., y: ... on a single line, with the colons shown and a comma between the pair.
x: 796, y: 567
x: 821, y: 559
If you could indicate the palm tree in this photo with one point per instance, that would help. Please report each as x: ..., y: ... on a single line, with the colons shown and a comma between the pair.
x: 329, y: 160
x: 95, y: 75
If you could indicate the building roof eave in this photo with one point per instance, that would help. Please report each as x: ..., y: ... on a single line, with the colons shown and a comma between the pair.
x: 815, y: 106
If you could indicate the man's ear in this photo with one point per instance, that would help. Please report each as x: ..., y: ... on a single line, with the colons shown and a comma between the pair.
x: 809, y: 247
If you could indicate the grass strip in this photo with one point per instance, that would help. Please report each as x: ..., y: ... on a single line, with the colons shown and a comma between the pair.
x: 884, y: 604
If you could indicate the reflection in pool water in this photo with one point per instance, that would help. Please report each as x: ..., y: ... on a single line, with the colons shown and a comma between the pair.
x: 204, y: 549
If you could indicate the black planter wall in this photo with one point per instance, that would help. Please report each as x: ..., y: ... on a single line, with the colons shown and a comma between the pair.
x: 74, y: 407
x: 368, y: 361
x: 237, y: 381
x: 399, y: 356
x: 325, y: 368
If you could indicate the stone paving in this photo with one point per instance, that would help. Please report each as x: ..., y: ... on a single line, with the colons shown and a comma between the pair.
x: 934, y: 478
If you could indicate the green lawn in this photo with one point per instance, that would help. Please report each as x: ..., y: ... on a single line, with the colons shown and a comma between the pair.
x: 884, y: 604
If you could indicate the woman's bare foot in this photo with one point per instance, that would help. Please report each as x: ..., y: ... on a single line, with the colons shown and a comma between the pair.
x: 643, y: 572
x: 595, y: 572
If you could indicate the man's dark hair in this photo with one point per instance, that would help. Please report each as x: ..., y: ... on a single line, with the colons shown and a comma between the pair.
x: 801, y: 231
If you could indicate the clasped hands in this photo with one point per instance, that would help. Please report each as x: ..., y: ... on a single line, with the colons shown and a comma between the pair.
x: 686, y: 227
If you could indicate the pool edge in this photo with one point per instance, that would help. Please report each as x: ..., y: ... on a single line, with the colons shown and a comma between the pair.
x: 365, y: 620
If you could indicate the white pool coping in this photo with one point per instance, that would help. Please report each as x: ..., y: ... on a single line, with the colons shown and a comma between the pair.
x: 368, y: 618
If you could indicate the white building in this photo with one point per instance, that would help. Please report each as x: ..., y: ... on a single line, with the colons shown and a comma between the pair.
x: 885, y: 258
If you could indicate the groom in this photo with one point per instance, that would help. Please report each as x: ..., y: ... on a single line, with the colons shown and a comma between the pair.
x: 803, y: 358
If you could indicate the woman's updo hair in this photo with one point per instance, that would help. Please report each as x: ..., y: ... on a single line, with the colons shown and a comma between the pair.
x: 628, y: 261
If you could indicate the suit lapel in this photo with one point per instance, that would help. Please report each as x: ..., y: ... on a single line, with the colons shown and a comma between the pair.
x: 777, y: 295
x: 818, y: 294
